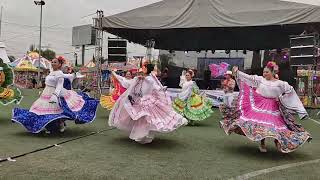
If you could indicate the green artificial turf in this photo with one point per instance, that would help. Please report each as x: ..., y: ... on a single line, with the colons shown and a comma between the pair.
x: 199, y: 152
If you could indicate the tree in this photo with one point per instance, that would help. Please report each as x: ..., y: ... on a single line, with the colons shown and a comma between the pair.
x: 48, y: 53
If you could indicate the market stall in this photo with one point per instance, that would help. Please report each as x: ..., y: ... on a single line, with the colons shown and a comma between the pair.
x: 308, y: 86
x: 25, y: 73
x: 26, y: 70
x: 89, y: 83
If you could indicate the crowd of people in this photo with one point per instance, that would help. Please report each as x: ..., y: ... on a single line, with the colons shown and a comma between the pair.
x: 139, y: 105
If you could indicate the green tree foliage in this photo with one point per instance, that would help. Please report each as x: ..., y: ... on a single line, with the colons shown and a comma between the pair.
x: 48, y: 53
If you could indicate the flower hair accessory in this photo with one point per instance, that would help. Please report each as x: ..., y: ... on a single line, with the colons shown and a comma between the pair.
x: 61, y: 59
x: 273, y: 66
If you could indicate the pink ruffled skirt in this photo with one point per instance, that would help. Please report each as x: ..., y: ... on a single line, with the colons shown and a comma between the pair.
x: 148, y: 115
x: 42, y: 106
x: 257, y: 118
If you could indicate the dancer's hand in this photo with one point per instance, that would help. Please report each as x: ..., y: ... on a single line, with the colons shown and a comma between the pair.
x: 53, y: 99
x: 78, y: 75
x: 235, y: 69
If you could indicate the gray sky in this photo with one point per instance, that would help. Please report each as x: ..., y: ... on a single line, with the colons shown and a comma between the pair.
x: 20, y: 27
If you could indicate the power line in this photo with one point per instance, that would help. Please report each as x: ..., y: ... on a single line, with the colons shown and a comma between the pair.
x: 35, y: 26
x: 27, y: 33
x: 88, y: 15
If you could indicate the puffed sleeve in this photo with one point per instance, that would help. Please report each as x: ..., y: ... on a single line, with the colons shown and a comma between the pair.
x: 71, y: 77
x: 251, y: 80
x: 182, y: 80
x: 122, y: 80
x: 291, y: 101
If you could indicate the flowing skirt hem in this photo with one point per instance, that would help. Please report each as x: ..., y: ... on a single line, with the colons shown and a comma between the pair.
x: 286, y: 142
x: 36, y: 123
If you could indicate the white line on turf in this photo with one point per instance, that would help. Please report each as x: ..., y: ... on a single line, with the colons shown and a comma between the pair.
x: 315, y: 121
x: 273, y: 169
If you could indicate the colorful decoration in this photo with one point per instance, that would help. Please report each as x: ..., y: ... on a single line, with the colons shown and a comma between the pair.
x: 8, y: 94
x: 218, y: 70
x: 108, y: 102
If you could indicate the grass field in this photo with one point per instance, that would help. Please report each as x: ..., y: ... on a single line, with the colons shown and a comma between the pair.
x: 201, y: 152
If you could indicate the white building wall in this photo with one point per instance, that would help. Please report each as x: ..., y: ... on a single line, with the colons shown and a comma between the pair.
x: 189, y: 59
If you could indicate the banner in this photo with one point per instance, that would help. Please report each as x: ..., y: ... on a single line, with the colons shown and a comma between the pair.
x: 218, y: 65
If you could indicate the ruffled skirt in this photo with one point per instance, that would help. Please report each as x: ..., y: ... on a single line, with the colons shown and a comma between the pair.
x: 148, y: 115
x: 72, y: 106
x: 107, y: 102
x: 257, y: 118
x: 10, y: 95
x: 195, y: 108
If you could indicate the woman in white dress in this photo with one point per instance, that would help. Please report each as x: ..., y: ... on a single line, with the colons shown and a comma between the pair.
x: 145, y: 109
x: 190, y: 103
x: 264, y: 111
x: 56, y: 104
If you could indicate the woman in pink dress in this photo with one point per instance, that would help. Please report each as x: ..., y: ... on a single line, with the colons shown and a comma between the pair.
x: 145, y: 109
x: 263, y: 110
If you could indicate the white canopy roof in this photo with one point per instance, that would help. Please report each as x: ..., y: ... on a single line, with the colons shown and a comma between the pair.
x: 3, y: 53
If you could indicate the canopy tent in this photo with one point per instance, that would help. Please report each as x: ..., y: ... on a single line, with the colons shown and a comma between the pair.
x: 214, y: 24
x: 44, y: 63
x: 3, y: 53
x: 90, y: 64
x: 25, y: 65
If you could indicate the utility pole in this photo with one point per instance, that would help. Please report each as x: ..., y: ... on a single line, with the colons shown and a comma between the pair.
x: 83, y: 51
x: 76, y: 59
x: 40, y: 3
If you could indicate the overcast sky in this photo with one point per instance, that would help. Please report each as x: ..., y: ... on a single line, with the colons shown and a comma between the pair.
x: 20, y: 26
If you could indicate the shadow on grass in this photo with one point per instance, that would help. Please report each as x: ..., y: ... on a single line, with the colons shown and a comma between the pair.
x: 272, y: 154
x: 69, y: 133
x: 157, y: 143
x: 200, y: 125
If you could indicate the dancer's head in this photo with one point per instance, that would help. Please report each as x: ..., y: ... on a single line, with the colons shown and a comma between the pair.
x: 57, y: 63
x: 128, y: 75
x: 270, y: 71
x: 189, y: 75
x: 140, y: 74
x: 228, y: 75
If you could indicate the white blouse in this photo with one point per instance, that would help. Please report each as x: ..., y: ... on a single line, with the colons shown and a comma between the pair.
x: 186, y: 88
x: 145, y: 86
x: 266, y: 88
x: 55, y: 79
x: 123, y: 81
